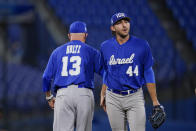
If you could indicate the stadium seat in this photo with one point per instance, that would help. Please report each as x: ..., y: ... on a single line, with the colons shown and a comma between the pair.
x: 185, y: 13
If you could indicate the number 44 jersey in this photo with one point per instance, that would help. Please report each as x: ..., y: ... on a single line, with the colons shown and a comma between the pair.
x: 73, y: 63
x: 125, y: 64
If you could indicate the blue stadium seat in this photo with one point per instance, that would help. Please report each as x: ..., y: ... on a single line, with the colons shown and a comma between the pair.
x: 185, y: 12
x: 24, y: 86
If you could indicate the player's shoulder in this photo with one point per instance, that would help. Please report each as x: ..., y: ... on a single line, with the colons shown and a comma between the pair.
x: 107, y: 42
x: 140, y: 41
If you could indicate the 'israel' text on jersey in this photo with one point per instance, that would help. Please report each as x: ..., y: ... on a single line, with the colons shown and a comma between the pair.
x: 114, y: 61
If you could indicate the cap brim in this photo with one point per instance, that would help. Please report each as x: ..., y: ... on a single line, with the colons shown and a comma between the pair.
x: 125, y: 18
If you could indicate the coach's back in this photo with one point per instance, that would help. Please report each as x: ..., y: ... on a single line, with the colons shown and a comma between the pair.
x: 75, y: 63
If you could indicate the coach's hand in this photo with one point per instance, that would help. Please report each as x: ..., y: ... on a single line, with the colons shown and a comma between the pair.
x: 51, y: 103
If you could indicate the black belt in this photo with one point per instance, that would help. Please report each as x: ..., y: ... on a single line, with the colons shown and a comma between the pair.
x: 126, y: 92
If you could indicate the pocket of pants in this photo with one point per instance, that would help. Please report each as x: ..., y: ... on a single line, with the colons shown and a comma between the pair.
x: 90, y: 95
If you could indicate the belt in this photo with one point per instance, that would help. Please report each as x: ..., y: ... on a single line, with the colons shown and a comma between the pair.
x: 126, y: 92
x: 71, y: 86
x: 78, y: 86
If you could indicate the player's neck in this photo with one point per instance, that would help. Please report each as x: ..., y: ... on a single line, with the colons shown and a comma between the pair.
x: 77, y: 36
x: 122, y: 40
x: 82, y: 40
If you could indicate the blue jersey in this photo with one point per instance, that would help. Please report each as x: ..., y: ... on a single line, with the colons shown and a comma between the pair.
x: 125, y: 64
x: 72, y: 63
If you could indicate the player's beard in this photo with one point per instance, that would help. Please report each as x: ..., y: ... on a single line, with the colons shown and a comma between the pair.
x: 122, y: 35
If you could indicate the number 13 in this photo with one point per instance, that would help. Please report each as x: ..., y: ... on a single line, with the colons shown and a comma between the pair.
x: 76, y: 60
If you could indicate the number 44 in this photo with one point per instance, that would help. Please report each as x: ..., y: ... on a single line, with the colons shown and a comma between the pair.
x: 130, y: 71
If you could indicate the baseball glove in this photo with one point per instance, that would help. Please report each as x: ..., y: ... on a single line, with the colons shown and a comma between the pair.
x: 158, y: 116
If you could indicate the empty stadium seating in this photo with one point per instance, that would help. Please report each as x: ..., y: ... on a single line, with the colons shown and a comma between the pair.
x: 23, y: 2
x: 24, y: 85
x: 184, y: 12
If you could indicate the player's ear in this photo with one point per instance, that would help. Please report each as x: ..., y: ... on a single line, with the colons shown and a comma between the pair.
x: 86, y: 34
x: 112, y: 28
x: 69, y: 36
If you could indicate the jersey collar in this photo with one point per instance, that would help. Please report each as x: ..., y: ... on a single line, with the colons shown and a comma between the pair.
x: 116, y: 42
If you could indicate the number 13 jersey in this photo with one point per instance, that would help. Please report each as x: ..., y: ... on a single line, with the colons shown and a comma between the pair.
x: 73, y: 63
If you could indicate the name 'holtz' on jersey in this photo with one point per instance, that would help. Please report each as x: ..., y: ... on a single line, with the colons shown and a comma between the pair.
x: 73, y: 63
x: 125, y: 64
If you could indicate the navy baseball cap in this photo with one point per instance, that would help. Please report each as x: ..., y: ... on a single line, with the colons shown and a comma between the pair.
x: 78, y: 27
x: 119, y: 16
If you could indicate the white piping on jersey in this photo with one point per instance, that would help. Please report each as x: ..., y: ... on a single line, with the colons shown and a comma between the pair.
x: 114, y: 61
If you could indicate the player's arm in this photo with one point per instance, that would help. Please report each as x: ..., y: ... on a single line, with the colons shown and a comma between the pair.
x: 104, y: 87
x: 102, y: 97
x: 98, y: 63
x: 46, y: 87
x: 103, y: 92
x: 149, y: 74
x: 50, y: 98
x: 47, y: 78
x: 151, y: 86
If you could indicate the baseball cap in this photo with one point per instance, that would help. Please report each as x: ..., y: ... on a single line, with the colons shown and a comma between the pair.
x: 118, y: 16
x: 78, y: 27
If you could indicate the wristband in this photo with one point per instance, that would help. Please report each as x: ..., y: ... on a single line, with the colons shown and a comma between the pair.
x: 49, y: 97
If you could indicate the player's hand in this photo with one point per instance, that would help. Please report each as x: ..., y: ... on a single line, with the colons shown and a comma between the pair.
x: 102, y: 102
x: 102, y: 97
x: 158, y: 116
x: 51, y: 103
x: 156, y: 103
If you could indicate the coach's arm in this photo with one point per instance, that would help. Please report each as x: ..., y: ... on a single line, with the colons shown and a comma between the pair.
x: 46, y: 88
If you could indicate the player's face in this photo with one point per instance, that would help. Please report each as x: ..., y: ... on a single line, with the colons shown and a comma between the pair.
x: 121, y: 28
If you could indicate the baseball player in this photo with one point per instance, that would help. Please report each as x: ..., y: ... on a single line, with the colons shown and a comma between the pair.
x: 71, y: 67
x: 128, y: 66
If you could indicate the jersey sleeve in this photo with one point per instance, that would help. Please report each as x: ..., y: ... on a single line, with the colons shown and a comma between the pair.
x: 98, y: 63
x: 104, y: 62
x: 149, y: 75
x: 104, y: 77
x: 148, y: 58
x: 49, y: 72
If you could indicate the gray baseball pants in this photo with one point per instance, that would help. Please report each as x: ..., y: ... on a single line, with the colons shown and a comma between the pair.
x: 73, y: 109
x: 129, y: 108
